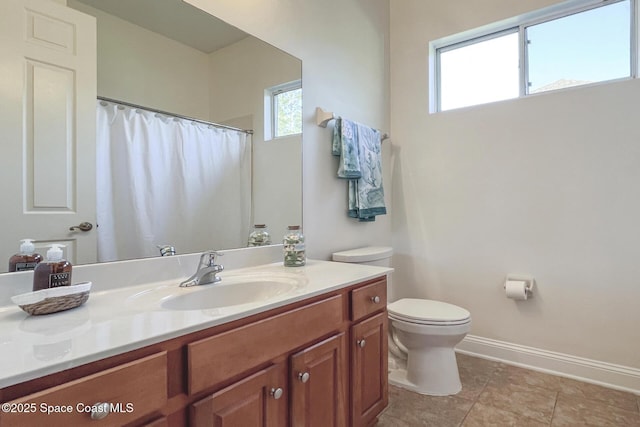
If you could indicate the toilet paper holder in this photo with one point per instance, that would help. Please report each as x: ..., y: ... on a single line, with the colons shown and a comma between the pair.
x: 529, y: 282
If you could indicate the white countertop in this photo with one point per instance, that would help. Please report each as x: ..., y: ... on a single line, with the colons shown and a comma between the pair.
x: 123, y: 319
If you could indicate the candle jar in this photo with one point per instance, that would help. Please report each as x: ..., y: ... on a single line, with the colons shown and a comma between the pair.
x: 294, y: 248
x: 259, y: 236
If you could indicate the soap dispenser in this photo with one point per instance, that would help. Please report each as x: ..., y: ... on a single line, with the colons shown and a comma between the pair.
x: 55, y: 272
x: 27, y: 259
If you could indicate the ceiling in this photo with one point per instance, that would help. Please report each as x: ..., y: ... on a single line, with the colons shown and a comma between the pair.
x: 174, y: 19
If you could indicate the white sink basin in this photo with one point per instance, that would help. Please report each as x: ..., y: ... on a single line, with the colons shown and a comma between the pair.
x: 242, y: 289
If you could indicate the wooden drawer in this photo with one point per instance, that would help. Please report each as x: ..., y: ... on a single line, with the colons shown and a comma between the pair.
x: 132, y: 390
x: 221, y: 357
x: 368, y: 299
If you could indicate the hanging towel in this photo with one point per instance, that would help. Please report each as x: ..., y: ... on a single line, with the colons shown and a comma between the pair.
x: 345, y: 145
x: 366, y: 193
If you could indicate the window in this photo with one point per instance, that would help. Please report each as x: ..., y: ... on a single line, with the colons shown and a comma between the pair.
x: 567, y: 45
x: 285, y: 109
x: 582, y: 48
x: 492, y: 77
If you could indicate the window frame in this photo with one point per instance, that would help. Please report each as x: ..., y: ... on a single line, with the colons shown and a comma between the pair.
x: 273, y: 93
x: 520, y: 24
x: 464, y: 43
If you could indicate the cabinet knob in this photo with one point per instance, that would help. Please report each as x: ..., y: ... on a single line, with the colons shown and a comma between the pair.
x: 361, y: 343
x: 276, y: 393
x: 375, y: 300
x: 303, y: 376
x: 100, y: 410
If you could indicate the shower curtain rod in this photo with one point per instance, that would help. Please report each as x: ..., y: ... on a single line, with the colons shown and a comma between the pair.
x: 128, y: 104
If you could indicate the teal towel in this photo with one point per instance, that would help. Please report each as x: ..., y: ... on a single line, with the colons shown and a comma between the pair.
x: 366, y: 193
x: 345, y: 145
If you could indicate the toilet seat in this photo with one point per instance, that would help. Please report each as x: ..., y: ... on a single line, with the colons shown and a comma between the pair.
x: 428, y: 312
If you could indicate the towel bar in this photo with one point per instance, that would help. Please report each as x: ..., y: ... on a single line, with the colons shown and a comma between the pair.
x: 324, y: 117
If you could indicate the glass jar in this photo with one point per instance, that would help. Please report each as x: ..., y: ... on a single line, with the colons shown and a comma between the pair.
x: 259, y: 236
x: 294, y: 250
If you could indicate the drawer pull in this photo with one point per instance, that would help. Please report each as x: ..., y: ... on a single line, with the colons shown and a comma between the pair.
x: 276, y: 393
x: 100, y: 410
x: 361, y: 343
x: 375, y: 300
x: 303, y: 376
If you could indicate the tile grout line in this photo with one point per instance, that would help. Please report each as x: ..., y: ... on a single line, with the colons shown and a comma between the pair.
x: 478, y: 396
x: 473, y: 404
x: 526, y: 387
x: 553, y: 411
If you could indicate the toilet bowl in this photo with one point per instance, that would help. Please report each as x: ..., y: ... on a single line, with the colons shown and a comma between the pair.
x: 422, y: 334
x: 426, y: 332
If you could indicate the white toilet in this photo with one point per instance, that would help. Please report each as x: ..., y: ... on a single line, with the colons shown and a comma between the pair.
x: 422, y: 334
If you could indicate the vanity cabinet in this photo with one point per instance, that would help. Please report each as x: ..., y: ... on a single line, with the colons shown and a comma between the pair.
x: 316, y: 362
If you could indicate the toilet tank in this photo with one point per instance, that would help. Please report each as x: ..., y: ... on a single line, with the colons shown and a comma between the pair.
x: 369, y: 255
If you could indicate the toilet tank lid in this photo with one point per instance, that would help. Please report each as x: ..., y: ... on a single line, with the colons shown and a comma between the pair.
x: 366, y: 254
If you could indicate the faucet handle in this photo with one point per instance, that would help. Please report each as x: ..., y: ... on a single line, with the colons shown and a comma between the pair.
x: 208, y: 258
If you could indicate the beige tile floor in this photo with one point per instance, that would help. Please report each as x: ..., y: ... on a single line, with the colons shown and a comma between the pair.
x: 495, y: 394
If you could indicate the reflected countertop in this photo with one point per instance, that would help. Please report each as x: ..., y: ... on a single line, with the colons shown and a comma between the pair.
x: 109, y: 324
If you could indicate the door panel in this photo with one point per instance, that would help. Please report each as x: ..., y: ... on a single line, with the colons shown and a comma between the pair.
x: 251, y: 402
x: 47, y: 122
x: 369, y: 362
x: 318, y: 384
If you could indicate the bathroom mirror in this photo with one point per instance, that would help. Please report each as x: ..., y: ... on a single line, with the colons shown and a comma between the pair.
x: 168, y: 56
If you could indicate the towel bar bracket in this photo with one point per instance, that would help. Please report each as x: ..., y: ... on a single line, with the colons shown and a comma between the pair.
x: 324, y: 117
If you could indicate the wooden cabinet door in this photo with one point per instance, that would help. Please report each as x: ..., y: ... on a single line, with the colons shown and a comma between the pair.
x: 259, y: 400
x: 318, y: 385
x: 369, y: 382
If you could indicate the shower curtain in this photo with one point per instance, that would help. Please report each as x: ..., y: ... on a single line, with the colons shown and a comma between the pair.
x: 163, y: 180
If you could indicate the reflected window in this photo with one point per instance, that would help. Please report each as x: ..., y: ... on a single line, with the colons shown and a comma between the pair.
x: 286, y: 109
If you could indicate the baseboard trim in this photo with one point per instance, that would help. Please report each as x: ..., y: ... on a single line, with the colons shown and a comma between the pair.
x: 592, y: 371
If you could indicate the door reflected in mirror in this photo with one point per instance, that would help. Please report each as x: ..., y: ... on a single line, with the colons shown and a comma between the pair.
x: 162, y: 55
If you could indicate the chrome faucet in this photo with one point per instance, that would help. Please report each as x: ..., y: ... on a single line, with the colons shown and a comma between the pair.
x: 206, y: 272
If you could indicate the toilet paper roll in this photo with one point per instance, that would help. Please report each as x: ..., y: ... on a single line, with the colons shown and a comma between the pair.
x: 516, y: 289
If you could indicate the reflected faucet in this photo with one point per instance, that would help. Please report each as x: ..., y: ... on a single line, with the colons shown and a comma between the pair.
x: 206, y: 272
x: 166, y: 250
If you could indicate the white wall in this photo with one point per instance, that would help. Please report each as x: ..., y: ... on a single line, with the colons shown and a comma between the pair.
x: 546, y: 185
x: 179, y: 82
x: 342, y: 44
